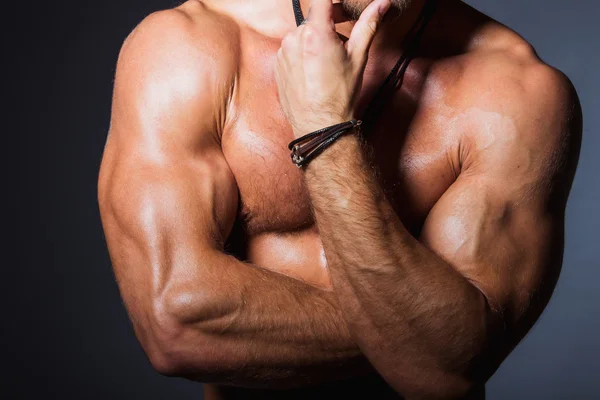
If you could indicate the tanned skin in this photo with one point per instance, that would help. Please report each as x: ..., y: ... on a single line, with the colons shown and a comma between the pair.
x: 409, y: 263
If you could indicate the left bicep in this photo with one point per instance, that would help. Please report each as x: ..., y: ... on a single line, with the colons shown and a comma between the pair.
x: 502, y: 237
x: 501, y: 223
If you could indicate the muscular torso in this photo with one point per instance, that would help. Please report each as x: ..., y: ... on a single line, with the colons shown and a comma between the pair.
x: 274, y: 217
x: 416, y: 153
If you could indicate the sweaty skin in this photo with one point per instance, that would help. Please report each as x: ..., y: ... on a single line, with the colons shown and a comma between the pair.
x: 411, y: 264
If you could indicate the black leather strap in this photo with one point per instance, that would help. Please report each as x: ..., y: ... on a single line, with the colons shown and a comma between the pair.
x: 307, y: 147
x: 396, y: 77
x: 297, y: 12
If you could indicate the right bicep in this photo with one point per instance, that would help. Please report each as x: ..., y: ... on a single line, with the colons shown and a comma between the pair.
x: 160, y: 218
x: 166, y: 193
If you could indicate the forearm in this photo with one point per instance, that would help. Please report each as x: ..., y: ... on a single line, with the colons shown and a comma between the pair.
x: 415, y: 318
x: 253, y: 327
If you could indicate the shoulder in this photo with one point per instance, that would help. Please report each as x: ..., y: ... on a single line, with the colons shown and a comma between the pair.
x: 189, y: 39
x: 515, y: 117
x: 496, y: 68
x: 177, y: 60
x: 192, y: 24
x: 191, y: 27
x: 505, y: 78
x: 507, y: 92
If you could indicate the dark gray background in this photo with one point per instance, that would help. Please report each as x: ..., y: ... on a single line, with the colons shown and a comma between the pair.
x: 67, y: 333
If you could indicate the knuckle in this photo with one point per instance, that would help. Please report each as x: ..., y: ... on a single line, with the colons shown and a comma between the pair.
x: 372, y: 25
x: 286, y: 42
x: 307, y: 31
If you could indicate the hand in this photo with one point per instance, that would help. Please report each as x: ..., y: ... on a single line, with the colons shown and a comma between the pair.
x: 318, y: 76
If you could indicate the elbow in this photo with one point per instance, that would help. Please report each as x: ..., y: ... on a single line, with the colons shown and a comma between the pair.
x: 163, y: 362
x: 164, y: 342
x: 174, y: 339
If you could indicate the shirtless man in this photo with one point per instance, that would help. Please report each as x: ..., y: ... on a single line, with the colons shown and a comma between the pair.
x: 408, y: 264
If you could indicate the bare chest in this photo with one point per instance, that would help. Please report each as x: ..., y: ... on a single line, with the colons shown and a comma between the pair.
x: 412, y: 162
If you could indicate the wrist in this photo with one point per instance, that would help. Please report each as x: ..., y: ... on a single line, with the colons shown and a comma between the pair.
x: 341, y: 152
x: 308, y: 146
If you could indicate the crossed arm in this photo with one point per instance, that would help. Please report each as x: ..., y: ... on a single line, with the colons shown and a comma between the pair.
x: 168, y: 201
x: 421, y: 312
x: 436, y: 316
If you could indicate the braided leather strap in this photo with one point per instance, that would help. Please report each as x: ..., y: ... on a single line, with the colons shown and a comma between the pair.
x: 307, y: 147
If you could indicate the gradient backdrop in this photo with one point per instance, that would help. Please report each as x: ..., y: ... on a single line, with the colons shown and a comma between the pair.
x: 67, y: 333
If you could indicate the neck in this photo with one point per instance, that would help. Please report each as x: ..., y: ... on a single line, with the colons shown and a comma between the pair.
x: 391, y: 31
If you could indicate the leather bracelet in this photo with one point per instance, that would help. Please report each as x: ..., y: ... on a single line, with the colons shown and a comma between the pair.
x: 306, y: 147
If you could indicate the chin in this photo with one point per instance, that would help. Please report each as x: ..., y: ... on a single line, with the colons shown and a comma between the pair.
x: 355, y: 7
